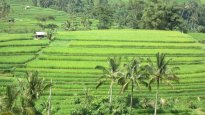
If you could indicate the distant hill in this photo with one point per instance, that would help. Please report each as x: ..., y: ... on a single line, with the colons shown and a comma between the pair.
x: 25, y: 19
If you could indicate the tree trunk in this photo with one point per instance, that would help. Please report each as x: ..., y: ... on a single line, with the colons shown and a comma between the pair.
x: 155, y: 109
x: 157, y: 92
x: 49, y: 100
x: 131, y: 98
x: 110, y: 96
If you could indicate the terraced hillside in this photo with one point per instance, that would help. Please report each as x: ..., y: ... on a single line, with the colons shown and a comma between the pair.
x: 70, y: 60
x: 25, y: 19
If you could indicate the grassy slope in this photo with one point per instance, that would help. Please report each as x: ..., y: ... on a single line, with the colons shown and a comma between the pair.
x: 25, y: 19
x: 198, y: 36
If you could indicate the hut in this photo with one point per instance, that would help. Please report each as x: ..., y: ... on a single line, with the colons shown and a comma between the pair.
x: 40, y: 35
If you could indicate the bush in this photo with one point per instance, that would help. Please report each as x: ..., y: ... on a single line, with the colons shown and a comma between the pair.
x: 201, y: 29
x: 90, y: 105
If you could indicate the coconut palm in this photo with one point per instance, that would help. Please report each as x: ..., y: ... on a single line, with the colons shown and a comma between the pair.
x: 7, y: 102
x: 111, y: 74
x: 133, y: 76
x: 160, y: 72
x: 31, y: 89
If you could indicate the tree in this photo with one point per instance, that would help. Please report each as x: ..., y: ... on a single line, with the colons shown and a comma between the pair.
x: 49, y: 100
x: 133, y: 76
x: 30, y: 91
x: 135, y: 12
x: 50, y: 28
x: 160, y: 73
x: 75, y: 6
x: 4, y: 8
x: 45, y: 3
x: 111, y: 73
x: 161, y: 15
x: 104, y: 14
x: 35, y: 2
x: 88, y: 104
x: 7, y: 102
x: 42, y: 22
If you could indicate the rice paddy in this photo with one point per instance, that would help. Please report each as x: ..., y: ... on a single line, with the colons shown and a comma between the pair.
x: 70, y: 60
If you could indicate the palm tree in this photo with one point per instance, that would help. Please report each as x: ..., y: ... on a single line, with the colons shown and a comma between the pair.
x: 133, y: 76
x: 111, y: 73
x: 7, y: 102
x: 31, y: 89
x: 160, y: 72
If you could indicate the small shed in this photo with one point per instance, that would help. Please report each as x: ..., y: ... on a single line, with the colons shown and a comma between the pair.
x: 40, y: 35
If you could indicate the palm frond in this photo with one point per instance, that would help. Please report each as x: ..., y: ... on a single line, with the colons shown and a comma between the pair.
x: 101, y: 82
x: 146, y: 84
x: 121, y: 80
x: 151, y: 81
x: 104, y: 69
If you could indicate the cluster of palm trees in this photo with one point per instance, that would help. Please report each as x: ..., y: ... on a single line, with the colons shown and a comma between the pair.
x: 135, y: 73
x: 21, y: 98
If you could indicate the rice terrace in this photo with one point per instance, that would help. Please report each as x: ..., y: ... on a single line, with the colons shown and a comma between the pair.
x: 100, y: 57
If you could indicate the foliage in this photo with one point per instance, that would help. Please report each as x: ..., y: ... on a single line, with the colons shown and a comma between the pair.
x: 133, y: 75
x: 51, y: 28
x: 112, y: 73
x: 21, y: 98
x: 89, y: 104
x: 7, y: 102
x: 43, y: 20
x: 163, y: 16
x: 4, y: 8
x: 160, y: 73
x: 104, y: 14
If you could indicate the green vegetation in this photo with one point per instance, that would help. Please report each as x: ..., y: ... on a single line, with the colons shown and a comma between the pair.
x: 180, y: 15
x: 198, y: 36
x: 70, y: 61
x: 27, y: 92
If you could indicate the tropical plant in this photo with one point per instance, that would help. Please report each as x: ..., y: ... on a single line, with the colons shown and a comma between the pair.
x: 160, y: 72
x: 133, y: 76
x: 111, y: 73
x: 30, y: 90
x: 7, y: 101
x: 88, y: 104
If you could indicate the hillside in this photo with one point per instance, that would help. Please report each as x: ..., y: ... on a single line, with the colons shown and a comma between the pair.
x: 25, y: 19
x: 70, y: 61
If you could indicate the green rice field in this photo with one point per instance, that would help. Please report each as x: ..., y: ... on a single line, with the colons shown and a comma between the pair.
x: 70, y: 60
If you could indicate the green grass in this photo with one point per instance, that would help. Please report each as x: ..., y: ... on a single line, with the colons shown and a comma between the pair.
x: 16, y: 50
x: 93, y: 44
x: 25, y: 43
x: 120, y: 51
x: 25, y: 20
x: 12, y: 37
x: 16, y: 59
x: 198, y: 36
x: 64, y: 64
x: 127, y: 35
